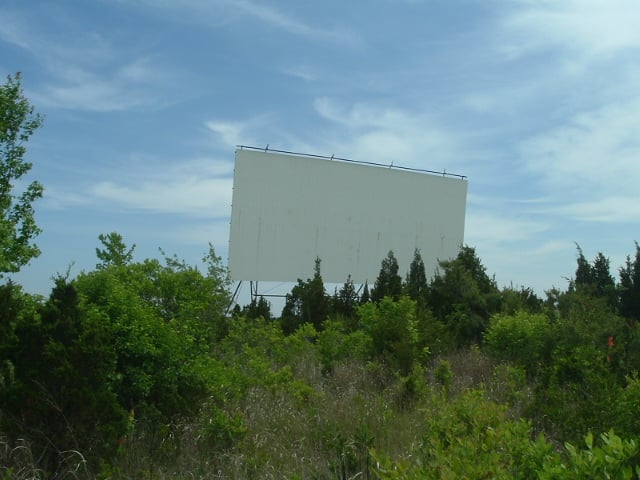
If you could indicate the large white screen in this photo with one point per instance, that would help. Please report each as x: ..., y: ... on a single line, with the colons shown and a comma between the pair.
x: 289, y: 209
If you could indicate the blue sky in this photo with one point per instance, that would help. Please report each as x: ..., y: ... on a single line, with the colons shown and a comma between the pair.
x: 537, y: 102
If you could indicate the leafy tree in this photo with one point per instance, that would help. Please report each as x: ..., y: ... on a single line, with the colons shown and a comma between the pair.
x: 464, y: 297
x: 393, y: 329
x: 164, y: 319
x: 17, y: 224
x: 307, y: 303
x: 523, y: 339
x: 582, y: 376
x: 389, y: 282
x: 62, y: 396
x: 115, y: 251
x: 14, y: 305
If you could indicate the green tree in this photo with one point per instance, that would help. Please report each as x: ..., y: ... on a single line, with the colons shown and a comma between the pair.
x: 17, y: 224
x: 595, y: 278
x: 389, y: 282
x: 584, y: 273
x: 464, y: 297
x: 523, y: 338
x: 416, y: 283
x: 62, y: 396
x: 260, y: 308
x: 308, y: 302
x: 630, y: 287
x: 345, y: 300
x: 524, y: 299
x: 115, y: 252
x: 365, y: 297
x: 393, y: 329
x: 164, y: 319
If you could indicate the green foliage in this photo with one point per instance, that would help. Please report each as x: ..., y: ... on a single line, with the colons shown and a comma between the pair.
x: 464, y: 297
x: 17, y: 224
x: 115, y: 252
x: 415, y: 286
x: 614, y: 459
x: 389, y: 282
x: 393, y: 329
x: 62, y: 398
x: 336, y: 344
x: 469, y: 437
x: 623, y: 413
x: 595, y: 279
x: 444, y: 375
x: 260, y: 308
x: 523, y: 339
x: 524, y: 299
x: 630, y: 287
x: 345, y: 300
x: 307, y: 303
x: 433, y: 335
x: 365, y: 297
x: 134, y: 369
x: 163, y: 319
x: 582, y: 375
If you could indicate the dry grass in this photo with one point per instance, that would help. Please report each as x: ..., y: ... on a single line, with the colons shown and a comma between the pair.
x: 17, y: 462
x: 325, y: 435
x: 320, y: 426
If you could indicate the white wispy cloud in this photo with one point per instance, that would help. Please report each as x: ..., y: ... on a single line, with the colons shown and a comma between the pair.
x: 198, y: 187
x: 231, y: 133
x: 288, y: 23
x: 194, y: 196
x: 606, y: 209
x: 585, y: 159
x: 591, y: 162
x: 86, y: 72
x: 487, y: 226
x: 306, y: 73
x: 590, y: 29
x: 381, y: 134
x: 95, y: 92
x: 219, y: 12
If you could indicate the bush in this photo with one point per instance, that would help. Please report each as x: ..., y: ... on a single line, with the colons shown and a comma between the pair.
x: 393, y: 329
x: 523, y: 339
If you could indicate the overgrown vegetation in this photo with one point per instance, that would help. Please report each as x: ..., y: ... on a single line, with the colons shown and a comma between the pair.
x: 133, y: 370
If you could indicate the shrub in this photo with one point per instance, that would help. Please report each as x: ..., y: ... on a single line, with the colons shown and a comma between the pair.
x: 393, y: 329
x: 523, y: 339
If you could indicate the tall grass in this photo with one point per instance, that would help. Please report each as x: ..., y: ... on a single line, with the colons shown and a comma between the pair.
x: 322, y: 425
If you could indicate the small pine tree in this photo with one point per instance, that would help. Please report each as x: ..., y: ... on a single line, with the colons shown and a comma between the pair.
x: 346, y: 299
x: 308, y: 302
x: 365, y: 297
x: 389, y: 282
x: 415, y: 286
x: 260, y: 308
